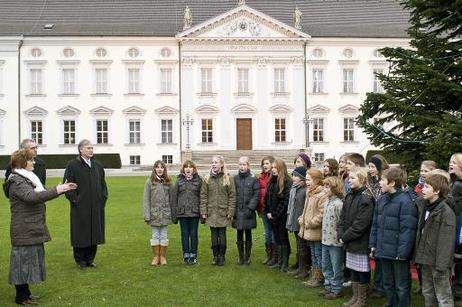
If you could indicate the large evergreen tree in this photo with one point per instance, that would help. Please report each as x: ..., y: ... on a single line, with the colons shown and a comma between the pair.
x: 420, y: 114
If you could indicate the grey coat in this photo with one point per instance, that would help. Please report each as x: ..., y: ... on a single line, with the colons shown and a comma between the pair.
x: 185, y: 197
x: 28, y: 221
x: 247, y: 197
x: 299, y: 204
x: 156, y: 204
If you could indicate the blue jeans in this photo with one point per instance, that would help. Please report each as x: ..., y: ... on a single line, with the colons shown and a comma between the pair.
x: 268, y: 229
x: 332, y: 268
x: 316, y: 254
x: 189, y: 236
x: 396, y: 282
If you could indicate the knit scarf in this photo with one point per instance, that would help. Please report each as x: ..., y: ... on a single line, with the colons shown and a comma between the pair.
x: 32, y: 177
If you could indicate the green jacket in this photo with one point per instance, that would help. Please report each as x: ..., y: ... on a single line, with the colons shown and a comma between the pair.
x: 218, y: 201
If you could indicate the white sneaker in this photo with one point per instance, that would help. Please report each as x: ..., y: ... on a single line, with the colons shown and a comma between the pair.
x: 347, y: 284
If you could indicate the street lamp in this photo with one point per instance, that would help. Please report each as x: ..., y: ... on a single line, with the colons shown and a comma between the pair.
x: 306, y: 121
x: 188, y: 122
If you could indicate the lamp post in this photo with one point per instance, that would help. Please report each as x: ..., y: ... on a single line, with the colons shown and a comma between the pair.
x: 307, y: 120
x: 188, y: 122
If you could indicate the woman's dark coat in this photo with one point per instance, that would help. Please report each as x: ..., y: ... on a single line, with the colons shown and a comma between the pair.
x: 185, y: 197
x: 247, y: 197
x: 276, y: 203
x: 87, y: 202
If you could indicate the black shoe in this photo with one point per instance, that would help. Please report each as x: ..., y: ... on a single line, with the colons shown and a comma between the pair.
x: 192, y: 260
x: 91, y: 265
x: 215, y: 260
x: 186, y: 260
x: 221, y: 260
x: 82, y: 265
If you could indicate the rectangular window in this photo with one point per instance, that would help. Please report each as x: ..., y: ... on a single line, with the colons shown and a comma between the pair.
x: 166, y: 128
x: 133, y: 80
x: 135, y: 160
x: 206, y: 80
x: 36, y: 81
x: 166, y: 80
x: 134, y: 131
x: 348, y: 129
x: 318, y: 129
x: 348, y: 81
x: 317, y: 80
x: 319, y: 157
x: 101, y: 81
x: 36, y: 131
x: 69, y: 131
x: 207, y: 131
x: 242, y: 80
x: 279, y: 80
x: 102, y: 132
x: 377, y: 88
x: 279, y: 130
x: 167, y: 159
x: 68, y: 81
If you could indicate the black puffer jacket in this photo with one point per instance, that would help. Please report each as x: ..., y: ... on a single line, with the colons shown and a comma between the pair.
x: 355, y: 221
x: 247, y: 197
x: 185, y: 197
x: 276, y: 203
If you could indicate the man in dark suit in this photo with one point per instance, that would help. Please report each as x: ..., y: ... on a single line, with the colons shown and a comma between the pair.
x: 39, y: 164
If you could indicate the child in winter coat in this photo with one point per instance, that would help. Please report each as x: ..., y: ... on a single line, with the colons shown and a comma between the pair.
x: 393, y: 236
x: 244, y: 220
x: 263, y: 180
x: 426, y: 167
x: 434, y: 248
x: 276, y: 204
x: 330, y: 168
x: 296, y: 203
x: 352, y: 160
x: 311, y: 223
x: 353, y: 231
x: 455, y: 170
x: 185, y: 198
x: 218, y: 202
x: 157, y: 211
x: 332, y: 249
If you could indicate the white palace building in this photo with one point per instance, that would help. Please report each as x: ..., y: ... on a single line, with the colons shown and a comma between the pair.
x: 151, y: 79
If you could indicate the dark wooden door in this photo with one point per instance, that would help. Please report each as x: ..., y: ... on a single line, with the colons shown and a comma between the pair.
x: 244, y: 133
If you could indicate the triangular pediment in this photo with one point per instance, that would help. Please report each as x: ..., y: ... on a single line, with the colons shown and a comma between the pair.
x: 101, y: 110
x: 349, y: 108
x: 134, y: 110
x: 243, y: 22
x: 68, y: 110
x: 207, y: 108
x: 35, y: 111
x: 166, y: 110
x: 318, y: 109
x: 280, y: 108
x: 244, y: 108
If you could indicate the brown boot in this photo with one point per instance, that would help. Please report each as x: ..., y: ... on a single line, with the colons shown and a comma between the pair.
x: 163, y: 252
x: 274, y: 255
x: 316, y: 279
x: 363, y: 291
x: 155, y: 255
x: 269, y: 252
x: 354, y: 298
x: 302, y: 264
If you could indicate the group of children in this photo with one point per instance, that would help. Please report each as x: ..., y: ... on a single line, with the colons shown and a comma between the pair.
x: 342, y: 216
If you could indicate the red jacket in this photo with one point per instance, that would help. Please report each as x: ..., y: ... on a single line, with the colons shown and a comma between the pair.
x: 263, y: 180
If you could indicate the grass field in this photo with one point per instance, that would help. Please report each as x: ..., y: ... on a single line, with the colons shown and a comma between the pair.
x: 124, y: 276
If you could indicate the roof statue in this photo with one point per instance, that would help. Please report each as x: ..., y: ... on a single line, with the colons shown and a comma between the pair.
x: 297, y: 19
x: 241, y: 2
x: 187, y: 18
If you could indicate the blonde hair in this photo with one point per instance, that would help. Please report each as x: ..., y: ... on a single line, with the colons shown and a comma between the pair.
x: 224, y: 170
x: 360, y: 172
x: 458, y: 158
x: 440, y: 172
x: 336, y: 186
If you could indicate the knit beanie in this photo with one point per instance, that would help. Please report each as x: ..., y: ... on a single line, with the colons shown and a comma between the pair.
x: 305, y: 159
x: 300, y: 172
x: 377, y: 162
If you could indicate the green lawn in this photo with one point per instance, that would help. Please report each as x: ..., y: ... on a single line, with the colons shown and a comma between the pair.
x: 124, y: 276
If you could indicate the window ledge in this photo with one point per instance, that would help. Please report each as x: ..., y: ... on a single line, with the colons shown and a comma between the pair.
x: 166, y: 144
x: 320, y: 142
x: 134, y: 144
x: 349, y: 142
x: 280, y: 94
x: 102, y: 144
x: 133, y: 94
x: 243, y: 94
x: 36, y: 95
x: 67, y: 145
x: 167, y: 94
x: 318, y: 93
x: 349, y: 94
x: 68, y: 95
x: 206, y: 94
x: 101, y: 95
x: 207, y: 144
x: 280, y: 143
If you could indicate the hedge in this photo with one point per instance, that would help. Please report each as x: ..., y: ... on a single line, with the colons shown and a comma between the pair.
x: 109, y: 160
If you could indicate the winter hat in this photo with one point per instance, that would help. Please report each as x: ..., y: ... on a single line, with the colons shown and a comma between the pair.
x: 305, y: 159
x: 300, y: 172
x: 377, y: 162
